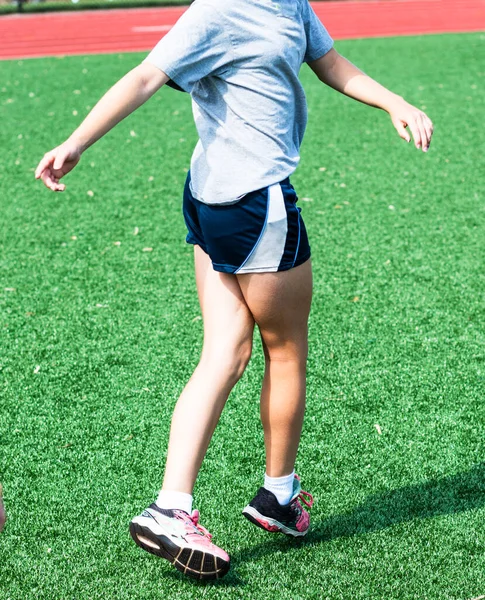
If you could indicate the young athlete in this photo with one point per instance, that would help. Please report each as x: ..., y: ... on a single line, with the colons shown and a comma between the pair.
x: 239, y: 61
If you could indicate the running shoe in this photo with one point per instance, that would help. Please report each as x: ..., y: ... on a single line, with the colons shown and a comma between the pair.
x: 178, y: 537
x: 266, y: 512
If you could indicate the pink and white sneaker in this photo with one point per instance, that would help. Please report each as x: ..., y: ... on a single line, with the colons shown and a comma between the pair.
x: 178, y: 537
x: 266, y: 512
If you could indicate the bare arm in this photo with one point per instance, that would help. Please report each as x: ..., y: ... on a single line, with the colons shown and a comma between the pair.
x: 340, y: 74
x: 129, y: 93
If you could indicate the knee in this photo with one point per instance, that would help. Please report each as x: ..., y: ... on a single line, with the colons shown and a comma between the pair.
x: 291, y: 352
x: 229, y: 359
x: 237, y: 363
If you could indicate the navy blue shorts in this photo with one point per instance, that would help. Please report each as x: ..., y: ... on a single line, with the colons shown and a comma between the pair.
x: 262, y: 232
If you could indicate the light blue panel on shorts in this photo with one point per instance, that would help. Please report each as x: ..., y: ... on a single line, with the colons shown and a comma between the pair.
x: 268, y: 251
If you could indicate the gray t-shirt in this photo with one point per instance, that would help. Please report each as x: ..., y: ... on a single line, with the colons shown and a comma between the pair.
x: 239, y: 60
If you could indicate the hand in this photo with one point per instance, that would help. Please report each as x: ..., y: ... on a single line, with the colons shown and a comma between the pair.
x: 57, y: 163
x: 405, y: 115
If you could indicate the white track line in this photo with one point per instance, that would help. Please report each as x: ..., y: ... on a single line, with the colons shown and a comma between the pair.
x: 151, y: 28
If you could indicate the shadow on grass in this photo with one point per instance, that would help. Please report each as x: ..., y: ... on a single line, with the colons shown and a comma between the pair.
x: 231, y: 580
x: 454, y: 494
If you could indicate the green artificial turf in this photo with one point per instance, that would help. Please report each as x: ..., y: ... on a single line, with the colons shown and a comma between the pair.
x: 98, y: 336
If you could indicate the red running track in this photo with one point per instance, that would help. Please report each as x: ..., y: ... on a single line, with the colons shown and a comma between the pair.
x: 124, y: 30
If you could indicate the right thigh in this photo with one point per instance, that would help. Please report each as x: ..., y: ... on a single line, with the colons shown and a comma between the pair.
x: 280, y: 305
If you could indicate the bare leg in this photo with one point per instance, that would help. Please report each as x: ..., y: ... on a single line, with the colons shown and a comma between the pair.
x: 228, y: 333
x: 280, y: 304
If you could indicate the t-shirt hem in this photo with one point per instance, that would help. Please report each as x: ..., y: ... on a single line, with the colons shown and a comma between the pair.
x: 259, y: 186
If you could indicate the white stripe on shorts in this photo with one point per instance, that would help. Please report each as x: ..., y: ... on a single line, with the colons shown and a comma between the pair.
x: 266, y: 255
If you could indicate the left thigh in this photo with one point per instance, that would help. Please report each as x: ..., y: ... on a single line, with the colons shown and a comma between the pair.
x: 227, y: 318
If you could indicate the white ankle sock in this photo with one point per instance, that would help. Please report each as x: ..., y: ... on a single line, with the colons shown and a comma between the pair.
x: 180, y: 500
x: 282, y: 487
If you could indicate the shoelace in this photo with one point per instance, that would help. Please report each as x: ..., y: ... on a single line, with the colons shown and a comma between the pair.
x: 306, y: 498
x: 194, y: 521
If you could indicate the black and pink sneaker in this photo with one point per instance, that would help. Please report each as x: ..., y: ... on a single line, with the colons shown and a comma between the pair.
x: 266, y: 512
x: 178, y: 537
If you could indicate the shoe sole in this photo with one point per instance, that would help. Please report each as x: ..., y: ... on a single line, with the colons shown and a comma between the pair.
x: 271, y: 525
x: 196, y: 564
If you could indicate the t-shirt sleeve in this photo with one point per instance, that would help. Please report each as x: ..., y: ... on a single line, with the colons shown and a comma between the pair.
x: 195, y: 47
x: 318, y: 39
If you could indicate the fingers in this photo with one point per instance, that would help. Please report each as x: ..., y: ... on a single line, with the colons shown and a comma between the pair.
x: 414, y: 127
x: 50, y: 167
x: 424, y: 129
x: 423, y: 133
x: 60, y: 159
x: 420, y: 126
x: 52, y: 161
x: 428, y: 125
x: 51, y: 181
x: 46, y: 162
x: 401, y: 130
